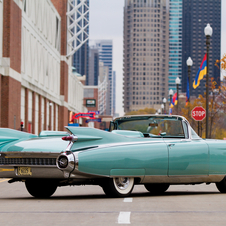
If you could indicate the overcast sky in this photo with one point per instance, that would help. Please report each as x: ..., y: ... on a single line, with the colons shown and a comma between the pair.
x: 106, y: 22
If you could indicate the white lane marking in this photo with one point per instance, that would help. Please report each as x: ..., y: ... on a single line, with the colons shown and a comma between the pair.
x: 124, y: 218
x: 128, y: 200
x: 3, y: 180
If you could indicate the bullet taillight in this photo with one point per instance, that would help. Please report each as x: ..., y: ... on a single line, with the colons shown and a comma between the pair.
x: 71, y: 138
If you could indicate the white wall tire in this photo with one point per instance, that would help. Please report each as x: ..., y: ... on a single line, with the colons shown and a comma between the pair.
x: 118, y: 186
x: 123, y: 185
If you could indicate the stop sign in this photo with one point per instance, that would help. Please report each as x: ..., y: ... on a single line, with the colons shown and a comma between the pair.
x: 198, y: 113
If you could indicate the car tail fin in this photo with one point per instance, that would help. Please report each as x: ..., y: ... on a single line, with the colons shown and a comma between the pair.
x: 85, y: 133
x: 10, y: 135
x: 14, y: 134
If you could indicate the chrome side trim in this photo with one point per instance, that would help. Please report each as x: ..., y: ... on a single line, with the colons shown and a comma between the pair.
x: 121, y: 144
x: 183, y: 179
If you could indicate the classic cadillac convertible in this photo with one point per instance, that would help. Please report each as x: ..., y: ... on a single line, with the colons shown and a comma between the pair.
x: 154, y: 150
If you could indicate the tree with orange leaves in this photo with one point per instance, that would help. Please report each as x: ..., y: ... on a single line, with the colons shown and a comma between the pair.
x: 221, y: 62
x: 217, y: 107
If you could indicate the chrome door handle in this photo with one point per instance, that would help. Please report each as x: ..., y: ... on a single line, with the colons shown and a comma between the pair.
x: 170, y: 145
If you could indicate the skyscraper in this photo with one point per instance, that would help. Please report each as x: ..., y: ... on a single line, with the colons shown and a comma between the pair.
x: 102, y: 88
x: 114, y: 93
x: 196, y: 15
x: 145, y: 53
x: 92, y: 79
x: 105, y: 55
x: 80, y: 59
x: 175, y: 42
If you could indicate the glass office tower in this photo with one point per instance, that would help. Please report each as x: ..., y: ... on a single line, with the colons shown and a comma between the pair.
x: 105, y: 48
x: 80, y: 59
x: 175, y: 42
x: 196, y: 15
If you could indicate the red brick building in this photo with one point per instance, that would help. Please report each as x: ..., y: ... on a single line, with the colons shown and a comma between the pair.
x: 36, y: 83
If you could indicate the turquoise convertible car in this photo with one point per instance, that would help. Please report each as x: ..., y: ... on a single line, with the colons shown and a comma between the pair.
x: 154, y: 150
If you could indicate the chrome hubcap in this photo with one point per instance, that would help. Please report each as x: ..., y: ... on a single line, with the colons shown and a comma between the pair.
x: 122, y: 182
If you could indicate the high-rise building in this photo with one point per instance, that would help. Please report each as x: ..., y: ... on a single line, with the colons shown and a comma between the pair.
x: 102, y: 88
x: 175, y: 42
x: 105, y: 55
x: 80, y: 58
x: 114, y: 92
x: 196, y: 15
x: 146, y: 46
x: 92, y: 79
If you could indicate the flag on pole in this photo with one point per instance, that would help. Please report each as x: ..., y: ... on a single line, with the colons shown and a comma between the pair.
x: 201, y: 72
x: 187, y: 93
x: 174, y: 100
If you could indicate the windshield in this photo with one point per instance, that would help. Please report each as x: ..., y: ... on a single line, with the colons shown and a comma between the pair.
x: 167, y: 127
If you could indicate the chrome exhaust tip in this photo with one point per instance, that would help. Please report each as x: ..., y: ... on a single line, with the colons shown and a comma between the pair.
x: 66, y: 161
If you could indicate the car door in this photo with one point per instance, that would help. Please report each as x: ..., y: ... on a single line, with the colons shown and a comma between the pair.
x: 188, y: 156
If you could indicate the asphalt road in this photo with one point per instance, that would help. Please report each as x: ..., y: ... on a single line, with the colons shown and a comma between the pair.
x: 87, y: 205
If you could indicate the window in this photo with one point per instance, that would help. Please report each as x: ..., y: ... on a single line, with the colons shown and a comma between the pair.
x: 194, y: 134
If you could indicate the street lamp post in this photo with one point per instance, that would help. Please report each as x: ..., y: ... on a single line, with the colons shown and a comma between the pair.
x: 159, y: 111
x: 171, y: 94
x: 164, y: 103
x: 189, y: 64
x: 208, y: 33
x: 177, y: 83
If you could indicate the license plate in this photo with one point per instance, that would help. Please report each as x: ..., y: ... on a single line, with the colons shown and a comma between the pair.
x: 24, y: 171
